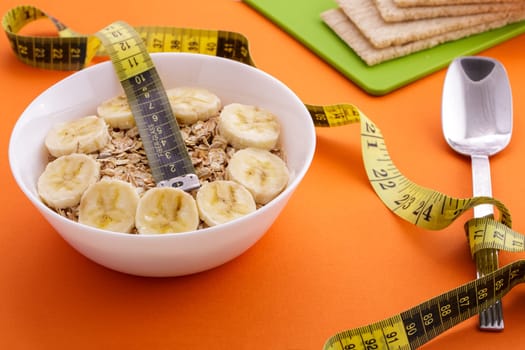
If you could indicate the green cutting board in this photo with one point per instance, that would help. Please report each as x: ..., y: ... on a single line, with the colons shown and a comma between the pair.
x: 301, y: 19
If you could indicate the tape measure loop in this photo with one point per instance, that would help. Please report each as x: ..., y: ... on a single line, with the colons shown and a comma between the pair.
x: 68, y: 51
x: 488, y: 233
x: 74, y: 51
x: 18, y: 17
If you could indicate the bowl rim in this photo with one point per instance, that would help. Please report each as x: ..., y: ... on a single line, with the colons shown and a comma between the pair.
x: 36, y: 201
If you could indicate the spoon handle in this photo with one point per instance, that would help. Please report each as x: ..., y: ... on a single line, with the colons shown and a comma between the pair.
x: 490, y: 319
x: 481, y: 183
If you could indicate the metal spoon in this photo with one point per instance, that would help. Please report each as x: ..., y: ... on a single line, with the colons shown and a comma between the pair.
x: 477, y: 121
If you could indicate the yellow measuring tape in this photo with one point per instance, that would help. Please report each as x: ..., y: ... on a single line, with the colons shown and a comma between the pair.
x: 74, y: 51
x: 167, y: 155
x: 129, y: 49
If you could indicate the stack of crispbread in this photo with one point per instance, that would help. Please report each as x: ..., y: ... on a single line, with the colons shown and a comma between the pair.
x: 380, y: 30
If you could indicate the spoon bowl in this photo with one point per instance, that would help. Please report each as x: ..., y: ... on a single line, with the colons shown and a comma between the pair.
x: 477, y: 106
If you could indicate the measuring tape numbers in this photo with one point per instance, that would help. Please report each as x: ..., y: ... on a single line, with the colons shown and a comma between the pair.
x: 421, y: 206
x: 129, y: 49
x: 74, y: 51
x: 166, y: 151
x: 65, y: 52
x: 416, y: 326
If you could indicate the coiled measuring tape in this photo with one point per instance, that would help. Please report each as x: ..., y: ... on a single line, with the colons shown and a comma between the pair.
x: 128, y: 49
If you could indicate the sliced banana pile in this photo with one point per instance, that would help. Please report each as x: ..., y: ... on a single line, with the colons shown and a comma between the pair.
x: 190, y: 104
x: 109, y: 205
x: 66, y: 178
x: 222, y: 201
x: 263, y: 173
x: 117, y: 112
x: 85, y: 135
x: 165, y: 210
x: 254, y: 174
x: 249, y: 126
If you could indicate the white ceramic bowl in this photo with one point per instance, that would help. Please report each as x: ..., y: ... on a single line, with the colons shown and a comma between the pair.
x: 169, y: 254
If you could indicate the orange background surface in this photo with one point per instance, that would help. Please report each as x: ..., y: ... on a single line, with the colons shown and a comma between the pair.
x: 335, y: 259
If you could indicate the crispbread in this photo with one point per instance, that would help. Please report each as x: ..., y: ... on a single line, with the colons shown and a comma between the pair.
x: 390, y: 12
x: 381, y: 34
x: 337, y: 20
x: 408, y: 3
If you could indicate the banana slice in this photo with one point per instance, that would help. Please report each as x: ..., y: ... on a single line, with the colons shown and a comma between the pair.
x: 117, y: 113
x: 221, y: 201
x: 191, y: 104
x: 109, y: 205
x: 249, y: 126
x: 84, y: 135
x: 263, y: 173
x: 166, y: 210
x: 65, y: 179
